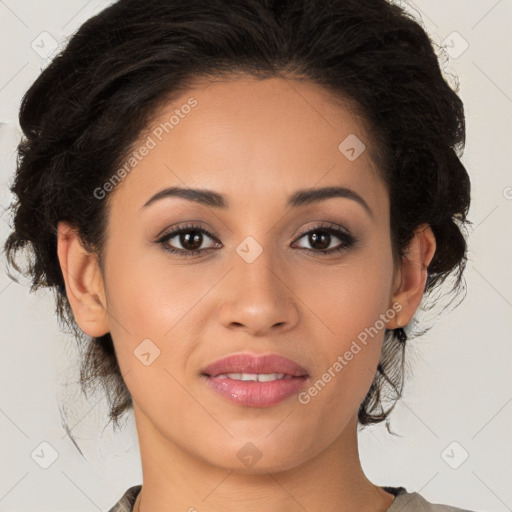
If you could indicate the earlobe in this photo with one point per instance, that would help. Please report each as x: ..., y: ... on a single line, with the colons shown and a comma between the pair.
x: 412, y: 275
x: 83, y: 281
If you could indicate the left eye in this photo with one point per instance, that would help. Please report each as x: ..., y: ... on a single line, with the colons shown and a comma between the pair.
x: 189, y: 237
x: 321, y: 237
x: 192, y: 237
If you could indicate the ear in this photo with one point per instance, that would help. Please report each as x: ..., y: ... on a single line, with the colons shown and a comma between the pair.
x: 83, y: 281
x: 411, y: 277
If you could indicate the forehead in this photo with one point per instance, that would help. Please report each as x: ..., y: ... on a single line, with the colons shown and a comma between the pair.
x: 252, y: 140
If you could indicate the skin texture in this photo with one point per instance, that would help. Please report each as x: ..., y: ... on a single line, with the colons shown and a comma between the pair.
x: 256, y: 142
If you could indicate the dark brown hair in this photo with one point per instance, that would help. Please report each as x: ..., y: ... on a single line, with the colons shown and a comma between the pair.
x: 87, y: 108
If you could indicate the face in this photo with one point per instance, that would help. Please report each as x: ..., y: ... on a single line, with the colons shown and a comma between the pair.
x: 252, y: 276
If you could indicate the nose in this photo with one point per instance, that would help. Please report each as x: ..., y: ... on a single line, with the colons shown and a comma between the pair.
x: 258, y: 297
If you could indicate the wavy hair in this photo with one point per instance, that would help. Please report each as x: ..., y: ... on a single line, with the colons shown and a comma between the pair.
x: 88, y: 107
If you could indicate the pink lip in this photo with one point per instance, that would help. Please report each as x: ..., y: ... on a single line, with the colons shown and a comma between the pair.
x: 249, y: 363
x: 253, y: 393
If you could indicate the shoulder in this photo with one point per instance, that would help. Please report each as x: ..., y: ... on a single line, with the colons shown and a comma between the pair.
x: 125, y: 504
x: 414, y: 502
x: 404, y: 502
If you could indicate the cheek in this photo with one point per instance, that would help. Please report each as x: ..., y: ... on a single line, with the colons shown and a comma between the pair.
x: 348, y: 310
x: 149, y: 294
x: 348, y: 298
x: 150, y: 302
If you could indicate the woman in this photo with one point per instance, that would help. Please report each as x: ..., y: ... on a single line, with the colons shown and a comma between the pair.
x: 241, y: 206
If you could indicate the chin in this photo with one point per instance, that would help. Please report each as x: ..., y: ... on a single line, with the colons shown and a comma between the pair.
x: 258, y: 457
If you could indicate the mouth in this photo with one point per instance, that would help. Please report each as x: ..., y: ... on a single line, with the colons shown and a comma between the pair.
x: 254, y: 380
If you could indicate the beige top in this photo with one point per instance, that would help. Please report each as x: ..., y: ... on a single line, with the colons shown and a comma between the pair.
x: 404, y: 502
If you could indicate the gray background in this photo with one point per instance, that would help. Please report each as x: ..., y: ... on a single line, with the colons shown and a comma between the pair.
x: 458, y: 399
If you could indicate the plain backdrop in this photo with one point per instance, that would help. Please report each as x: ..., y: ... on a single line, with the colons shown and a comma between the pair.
x: 454, y: 444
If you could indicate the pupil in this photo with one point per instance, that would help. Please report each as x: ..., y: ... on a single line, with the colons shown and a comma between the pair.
x: 191, y: 242
x: 314, y: 238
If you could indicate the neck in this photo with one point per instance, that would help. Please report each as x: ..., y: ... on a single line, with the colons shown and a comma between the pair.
x: 332, y: 480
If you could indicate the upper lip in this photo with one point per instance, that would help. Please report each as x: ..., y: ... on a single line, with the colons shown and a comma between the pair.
x: 250, y: 363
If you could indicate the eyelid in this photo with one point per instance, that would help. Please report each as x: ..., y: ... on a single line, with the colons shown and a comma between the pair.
x: 192, y: 225
x: 323, y: 225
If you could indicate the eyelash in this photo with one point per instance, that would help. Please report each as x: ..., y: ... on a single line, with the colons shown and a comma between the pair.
x: 347, y: 239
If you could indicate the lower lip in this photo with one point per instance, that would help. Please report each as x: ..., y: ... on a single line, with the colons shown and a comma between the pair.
x: 251, y: 393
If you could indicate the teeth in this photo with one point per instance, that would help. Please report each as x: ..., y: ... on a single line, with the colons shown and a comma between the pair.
x: 260, y: 377
x: 266, y: 377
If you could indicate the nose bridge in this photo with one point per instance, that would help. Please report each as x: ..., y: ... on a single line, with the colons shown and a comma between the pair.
x: 257, y: 268
x: 258, y: 296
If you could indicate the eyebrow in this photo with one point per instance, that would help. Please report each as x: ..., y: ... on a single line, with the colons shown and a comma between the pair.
x: 298, y: 198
